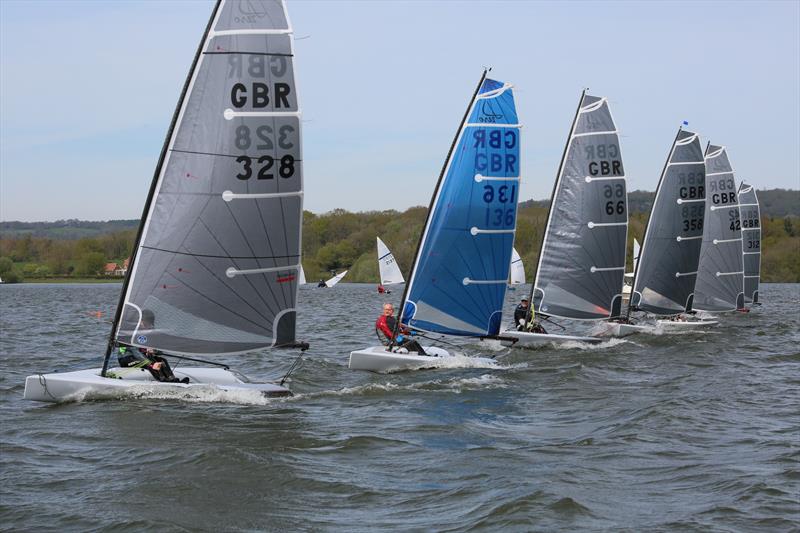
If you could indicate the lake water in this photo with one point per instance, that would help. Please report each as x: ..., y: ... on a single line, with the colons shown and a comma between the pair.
x: 697, y: 432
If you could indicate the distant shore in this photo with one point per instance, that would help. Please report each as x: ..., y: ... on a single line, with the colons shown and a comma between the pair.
x: 72, y: 280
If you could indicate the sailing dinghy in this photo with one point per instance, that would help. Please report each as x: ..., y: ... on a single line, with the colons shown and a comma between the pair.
x: 720, y: 274
x: 750, y: 216
x: 388, y: 267
x: 215, y: 264
x: 665, y: 275
x: 458, y: 279
x: 335, y: 279
x: 582, y: 262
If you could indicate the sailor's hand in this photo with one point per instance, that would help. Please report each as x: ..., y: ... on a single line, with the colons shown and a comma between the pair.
x: 157, y: 365
x: 400, y: 338
x: 521, y: 321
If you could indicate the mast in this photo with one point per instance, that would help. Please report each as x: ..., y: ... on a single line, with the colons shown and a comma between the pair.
x: 647, y: 225
x: 530, y: 312
x: 430, y: 208
x: 153, y: 187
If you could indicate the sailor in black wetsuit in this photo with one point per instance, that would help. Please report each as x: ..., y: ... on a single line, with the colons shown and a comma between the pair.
x: 147, y: 358
x: 520, y: 319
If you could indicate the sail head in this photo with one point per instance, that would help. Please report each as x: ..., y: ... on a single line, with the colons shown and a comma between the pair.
x: 459, y: 280
x: 217, y: 264
x: 582, y: 263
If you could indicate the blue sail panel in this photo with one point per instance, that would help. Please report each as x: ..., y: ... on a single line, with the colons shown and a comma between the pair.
x: 459, y: 281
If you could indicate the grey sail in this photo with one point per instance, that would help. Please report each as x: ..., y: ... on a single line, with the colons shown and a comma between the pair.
x: 720, y: 272
x: 216, y: 265
x: 750, y: 216
x: 667, y: 268
x: 582, y: 263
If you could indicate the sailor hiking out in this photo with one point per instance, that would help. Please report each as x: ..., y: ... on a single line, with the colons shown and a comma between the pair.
x: 385, y: 326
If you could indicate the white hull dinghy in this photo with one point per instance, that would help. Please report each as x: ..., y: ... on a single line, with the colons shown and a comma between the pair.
x: 216, y: 263
x: 379, y: 359
x: 526, y: 339
x: 90, y: 385
x: 458, y: 279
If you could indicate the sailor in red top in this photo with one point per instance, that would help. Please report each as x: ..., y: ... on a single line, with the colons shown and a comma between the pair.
x: 384, y: 327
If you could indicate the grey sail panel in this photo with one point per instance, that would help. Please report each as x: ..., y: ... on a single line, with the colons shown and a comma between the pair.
x: 217, y: 266
x: 582, y: 264
x: 667, y: 269
x: 720, y: 282
x: 750, y: 216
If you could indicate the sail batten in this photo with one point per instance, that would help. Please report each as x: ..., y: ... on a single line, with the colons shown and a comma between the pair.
x: 720, y: 279
x: 665, y: 274
x: 458, y: 282
x: 582, y: 263
x: 215, y: 268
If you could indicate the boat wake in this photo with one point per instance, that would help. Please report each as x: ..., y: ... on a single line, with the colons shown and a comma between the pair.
x: 576, y: 345
x: 457, y: 386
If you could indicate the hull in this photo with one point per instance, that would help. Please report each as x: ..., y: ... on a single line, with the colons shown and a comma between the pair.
x: 688, y: 325
x: 89, y: 385
x: 617, y: 329
x: 538, y: 340
x: 377, y: 359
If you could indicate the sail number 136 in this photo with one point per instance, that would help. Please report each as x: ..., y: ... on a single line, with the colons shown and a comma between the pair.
x: 504, y: 194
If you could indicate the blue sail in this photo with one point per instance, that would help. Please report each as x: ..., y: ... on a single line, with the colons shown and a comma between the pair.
x: 459, y: 280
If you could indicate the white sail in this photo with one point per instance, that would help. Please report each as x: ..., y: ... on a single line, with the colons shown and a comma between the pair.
x: 636, y: 248
x: 335, y: 279
x: 390, y: 271
x: 301, y: 278
x: 517, y: 268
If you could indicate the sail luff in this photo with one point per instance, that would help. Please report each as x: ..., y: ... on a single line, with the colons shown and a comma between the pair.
x: 432, y: 204
x: 154, y: 185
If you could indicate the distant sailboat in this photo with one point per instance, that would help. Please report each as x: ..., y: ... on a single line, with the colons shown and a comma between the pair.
x: 582, y: 262
x: 215, y: 261
x: 458, y: 280
x: 664, y: 277
x: 517, y: 276
x: 750, y: 216
x: 336, y: 279
x: 301, y: 277
x: 387, y: 265
x: 720, y: 274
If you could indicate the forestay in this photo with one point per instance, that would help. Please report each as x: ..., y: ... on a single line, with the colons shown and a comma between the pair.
x: 582, y: 263
x: 720, y: 282
x: 389, y: 270
x: 517, y: 268
x: 460, y: 274
x: 750, y: 216
x: 215, y: 267
x: 667, y: 269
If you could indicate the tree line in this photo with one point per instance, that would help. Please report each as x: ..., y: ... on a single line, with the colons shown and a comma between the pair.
x: 341, y: 240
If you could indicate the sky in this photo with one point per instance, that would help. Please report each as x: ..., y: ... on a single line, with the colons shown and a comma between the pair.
x: 87, y: 91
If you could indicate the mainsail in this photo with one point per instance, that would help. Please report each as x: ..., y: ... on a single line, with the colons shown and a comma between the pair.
x: 517, y: 268
x: 336, y: 279
x: 301, y: 276
x: 667, y: 269
x: 750, y: 216
x: 215, y: 265
x: 582, y: 263
x: 389, y: 270
x: 720, y: 282
x: 458, y: 282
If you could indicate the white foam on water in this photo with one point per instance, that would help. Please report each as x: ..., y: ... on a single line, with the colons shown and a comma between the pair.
x: 456, y: 386
x: 577, y: 345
